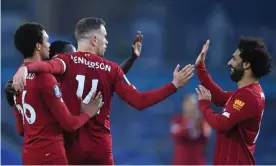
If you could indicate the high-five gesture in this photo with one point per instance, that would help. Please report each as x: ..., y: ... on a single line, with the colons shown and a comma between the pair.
x: 201, y: 57
x: 180, y: 78
x: 203, y: 93
x: 137, y: 44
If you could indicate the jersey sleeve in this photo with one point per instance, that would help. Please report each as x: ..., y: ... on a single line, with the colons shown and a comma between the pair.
x: 127, y: 64
x: 140, y: 100
x: 56, y: 66
x: 219, y: 96
x: 18, y: 121
x: 241, y: 107
x: 53, y: 98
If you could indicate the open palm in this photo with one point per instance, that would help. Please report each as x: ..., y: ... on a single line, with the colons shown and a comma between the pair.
x: 137, y: 44
x: 201, y: 57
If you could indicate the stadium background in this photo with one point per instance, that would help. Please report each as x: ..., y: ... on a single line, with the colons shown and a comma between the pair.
x: 174, y: 32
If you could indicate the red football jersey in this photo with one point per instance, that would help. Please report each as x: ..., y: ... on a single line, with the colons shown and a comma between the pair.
x: 41, y: 114
x: 238, y: 126
x: 245, y: 108
x: 86, y: 72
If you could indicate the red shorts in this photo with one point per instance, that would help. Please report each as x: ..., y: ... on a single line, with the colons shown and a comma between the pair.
x: 53, y: 154
x: 76, y: 156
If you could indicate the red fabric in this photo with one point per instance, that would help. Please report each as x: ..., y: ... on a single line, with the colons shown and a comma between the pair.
x: 237, y: 127
x: 82, y: 68
x: 189, y: 148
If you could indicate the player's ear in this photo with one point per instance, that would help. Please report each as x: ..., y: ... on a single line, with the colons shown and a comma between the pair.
x: 38, y: 46
x: 246, y: 65
x: 94, y: 40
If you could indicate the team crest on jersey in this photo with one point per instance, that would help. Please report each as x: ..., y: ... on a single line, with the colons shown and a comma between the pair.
x: 238, y: 104
x: 57, y: 91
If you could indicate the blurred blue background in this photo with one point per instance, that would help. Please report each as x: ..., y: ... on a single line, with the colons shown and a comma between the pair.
x: 174, y: 32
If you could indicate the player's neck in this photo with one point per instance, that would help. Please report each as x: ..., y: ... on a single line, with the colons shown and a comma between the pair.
x: 34, y: 58
x: 84, y: 48
x: 246, y: 81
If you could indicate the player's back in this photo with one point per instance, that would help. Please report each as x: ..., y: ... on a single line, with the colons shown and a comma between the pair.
x: 39, y: 126
x: 87, y: 72
x: 241, y: 139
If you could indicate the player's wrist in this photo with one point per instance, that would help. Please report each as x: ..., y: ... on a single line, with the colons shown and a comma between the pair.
x: 175, y: 84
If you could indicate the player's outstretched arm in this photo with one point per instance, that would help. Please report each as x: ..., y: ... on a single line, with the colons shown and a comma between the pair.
x: 55, y: 66
x: 241, y: 107
x: 219, y: 96
x: 143, y: 100
x: 127, y: 64
x: 53, y: 98
x: 136, y: 52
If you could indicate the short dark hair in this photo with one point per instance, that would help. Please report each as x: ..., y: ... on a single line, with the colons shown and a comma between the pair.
x: 57, y: 47
x: 27, y: 36
x: 254, y: 51
x: 85, y: 25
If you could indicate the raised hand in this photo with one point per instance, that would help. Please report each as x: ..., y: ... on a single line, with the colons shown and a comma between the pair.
x: 180, y: 78
x: 203, y: 93
x: 201, y: 57
x: 137, y: 45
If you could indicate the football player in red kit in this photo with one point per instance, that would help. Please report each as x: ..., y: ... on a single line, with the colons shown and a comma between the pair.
x: 63, y: 47
x: 238, y: 126
x: 39, y: 109
x: 92, y: 144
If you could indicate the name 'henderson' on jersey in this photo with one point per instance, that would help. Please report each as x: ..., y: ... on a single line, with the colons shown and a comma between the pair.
x: 104, y: 76
x: 87, y: 70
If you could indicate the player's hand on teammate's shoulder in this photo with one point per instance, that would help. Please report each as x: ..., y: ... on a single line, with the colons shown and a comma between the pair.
x: 137, y: 45
x: 203, y: 93
x: 94, y: 105
x: 201, y: 57
x: 180, y: 78
x: 19, y: 79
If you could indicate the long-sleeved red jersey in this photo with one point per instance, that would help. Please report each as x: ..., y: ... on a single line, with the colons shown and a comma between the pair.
x: 238, y: 126
x: 40, y: 116
x: 84, y: 72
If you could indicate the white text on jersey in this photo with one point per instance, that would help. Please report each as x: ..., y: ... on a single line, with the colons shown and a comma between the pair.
x: 90, y: 64
x: 30, y: 76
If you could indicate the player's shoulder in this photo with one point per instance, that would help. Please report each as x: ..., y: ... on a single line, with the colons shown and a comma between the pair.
x: 62, y: 56
x: 253, y: 91
x: 101, y: 59
x: 45, y: 79
x: 252, y: 95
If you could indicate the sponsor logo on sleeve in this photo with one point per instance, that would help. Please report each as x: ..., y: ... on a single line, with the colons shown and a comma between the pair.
x: 238, y: 104
x: 57, y: 91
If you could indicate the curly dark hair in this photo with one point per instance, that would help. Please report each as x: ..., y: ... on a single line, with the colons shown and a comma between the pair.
x: 254, y: 51
x: 85, y: 25
x: 27, y: 36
